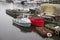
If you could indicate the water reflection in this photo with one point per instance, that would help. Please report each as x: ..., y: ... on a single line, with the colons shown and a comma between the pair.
x: 26, y: 30
x: 22, y: 28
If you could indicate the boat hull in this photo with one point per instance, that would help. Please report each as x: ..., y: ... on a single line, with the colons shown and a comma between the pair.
x: 37, y: 22
x: 22, y: 23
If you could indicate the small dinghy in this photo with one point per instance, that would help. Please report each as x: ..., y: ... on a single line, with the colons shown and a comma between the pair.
x: 25, y: 22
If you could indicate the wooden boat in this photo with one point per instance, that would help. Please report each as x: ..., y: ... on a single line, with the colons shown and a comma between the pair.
x: 43, y: 31
x: 53, y: 27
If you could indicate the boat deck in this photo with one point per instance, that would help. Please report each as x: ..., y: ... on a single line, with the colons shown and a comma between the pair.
x: 52, y: 27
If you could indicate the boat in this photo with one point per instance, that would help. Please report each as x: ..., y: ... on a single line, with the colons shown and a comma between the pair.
x: 37, y: 21
x: 16, y: 12
x: 44, y: 32
x: 53, y: 27
x: 24, y: 22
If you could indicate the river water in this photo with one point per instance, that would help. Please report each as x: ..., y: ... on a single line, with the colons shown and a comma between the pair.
x: 9, y: 31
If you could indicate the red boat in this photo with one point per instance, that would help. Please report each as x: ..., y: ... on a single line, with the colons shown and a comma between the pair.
x: 37, y: 22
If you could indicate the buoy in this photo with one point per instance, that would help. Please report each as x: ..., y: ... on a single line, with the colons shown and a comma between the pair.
x: 49, y: 35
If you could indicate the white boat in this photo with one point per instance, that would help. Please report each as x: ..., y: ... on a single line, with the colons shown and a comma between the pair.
x: 24, y: 22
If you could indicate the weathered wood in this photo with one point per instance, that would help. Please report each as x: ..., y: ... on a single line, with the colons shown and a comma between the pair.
x: 43, y: 31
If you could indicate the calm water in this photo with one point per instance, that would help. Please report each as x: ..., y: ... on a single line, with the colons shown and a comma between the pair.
x: 10, y: 32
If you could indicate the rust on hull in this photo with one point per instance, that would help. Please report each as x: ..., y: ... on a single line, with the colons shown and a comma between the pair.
x: 43, y: 31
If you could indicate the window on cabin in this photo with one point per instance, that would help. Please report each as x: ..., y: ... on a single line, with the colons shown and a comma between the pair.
x: 25, y: 16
